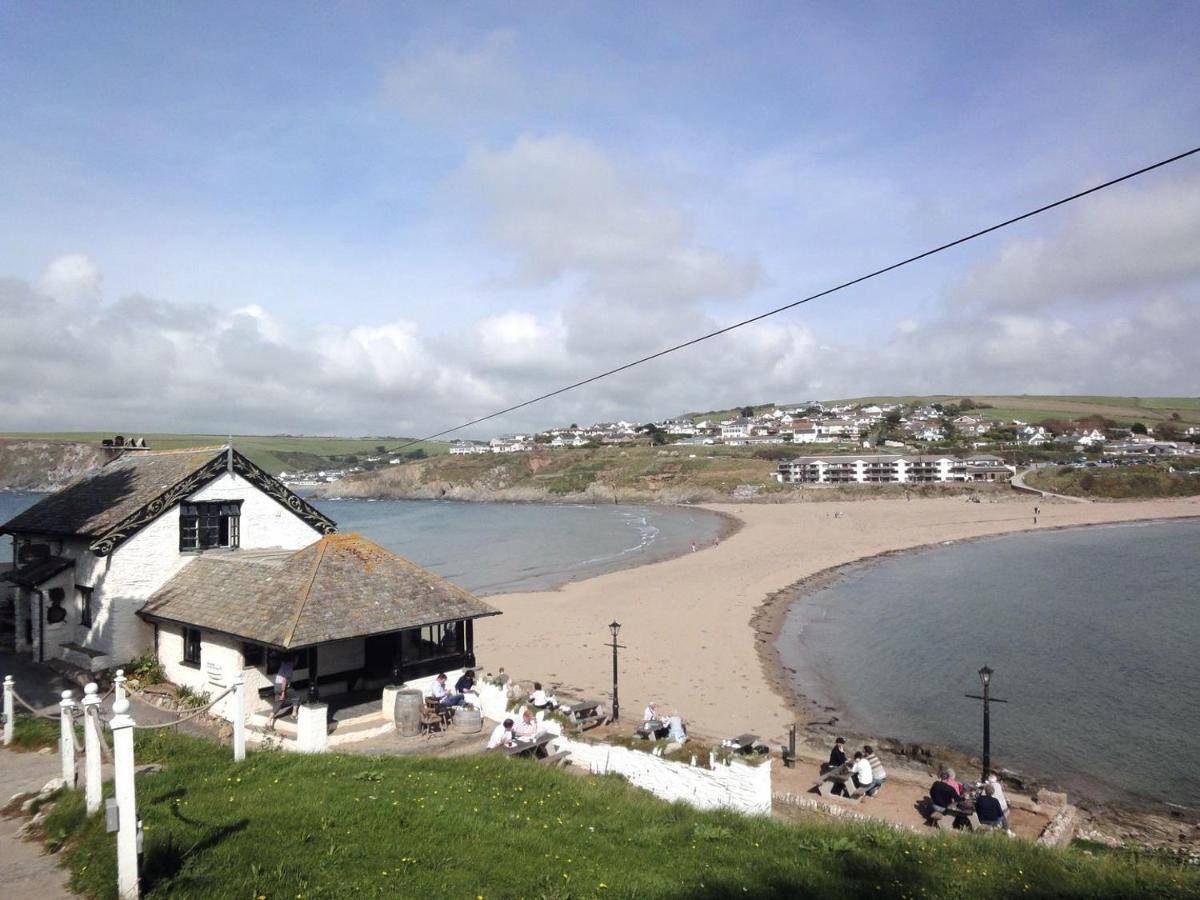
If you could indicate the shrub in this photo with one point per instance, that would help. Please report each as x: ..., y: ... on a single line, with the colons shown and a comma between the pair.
x: 146, y: 669
x: 190, y: 698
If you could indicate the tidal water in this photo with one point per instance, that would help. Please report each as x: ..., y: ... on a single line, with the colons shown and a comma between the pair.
x: 491, y: 548
x: 1093, y: 633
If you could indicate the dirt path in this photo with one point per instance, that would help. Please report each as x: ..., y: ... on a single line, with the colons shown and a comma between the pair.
x: 28, y: 870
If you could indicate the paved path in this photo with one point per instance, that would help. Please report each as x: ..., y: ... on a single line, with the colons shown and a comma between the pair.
x: 1018, y: 481
x: 28, y: 871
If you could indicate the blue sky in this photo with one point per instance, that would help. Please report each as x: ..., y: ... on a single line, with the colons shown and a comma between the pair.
x: 380, y: 218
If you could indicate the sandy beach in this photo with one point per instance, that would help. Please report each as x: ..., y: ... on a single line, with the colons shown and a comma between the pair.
x: 697, y: 630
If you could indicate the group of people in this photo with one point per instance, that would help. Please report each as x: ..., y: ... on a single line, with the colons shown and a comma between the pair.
x: 462, y: 695
x: 671, y: 727
x: 508, y: 732
x: 866, y: 769
x: 991, y: 806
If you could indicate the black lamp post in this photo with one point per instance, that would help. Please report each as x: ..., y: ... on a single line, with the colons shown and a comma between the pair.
x: 985, y: 678
x: 615, y: 628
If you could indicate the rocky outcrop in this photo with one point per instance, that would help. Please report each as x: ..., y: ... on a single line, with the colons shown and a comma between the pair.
x: 41, y: 465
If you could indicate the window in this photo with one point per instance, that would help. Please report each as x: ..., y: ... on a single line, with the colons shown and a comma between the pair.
x: 191, y: 647
x: 252, y: 655
x: 85, y: 605
x: 204, y: 526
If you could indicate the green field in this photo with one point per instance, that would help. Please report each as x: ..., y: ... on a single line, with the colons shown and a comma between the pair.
x: 275, y: 453
x: 289, y: 825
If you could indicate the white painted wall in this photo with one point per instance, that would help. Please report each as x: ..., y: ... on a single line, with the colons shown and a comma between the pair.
x: 126, y: 578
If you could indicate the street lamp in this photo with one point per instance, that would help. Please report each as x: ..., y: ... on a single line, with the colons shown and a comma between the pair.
x: 985, y: 678
x: 615, y: 628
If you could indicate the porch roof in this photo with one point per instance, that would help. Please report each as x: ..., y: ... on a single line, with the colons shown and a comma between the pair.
x: 35, y: 573
x: 342, y: 586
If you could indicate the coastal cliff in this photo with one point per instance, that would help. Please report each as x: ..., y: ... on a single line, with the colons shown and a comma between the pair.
x: 43, y: 465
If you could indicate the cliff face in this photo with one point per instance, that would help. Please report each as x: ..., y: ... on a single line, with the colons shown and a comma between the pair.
x: 45, y: 465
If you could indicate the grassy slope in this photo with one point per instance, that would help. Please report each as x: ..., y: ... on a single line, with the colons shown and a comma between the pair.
x: 1121, y: 483
x: 275, y: 453
x: 281, y: 825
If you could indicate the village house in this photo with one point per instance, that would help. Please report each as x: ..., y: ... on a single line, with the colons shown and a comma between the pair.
x: 467, y: 448
x: 212, y: 565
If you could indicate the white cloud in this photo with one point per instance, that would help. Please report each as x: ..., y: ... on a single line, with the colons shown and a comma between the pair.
x: 456, y: 86
x: 71, y: 278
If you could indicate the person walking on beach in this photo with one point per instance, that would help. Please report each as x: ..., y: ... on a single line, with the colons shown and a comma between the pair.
x: 693, y: 546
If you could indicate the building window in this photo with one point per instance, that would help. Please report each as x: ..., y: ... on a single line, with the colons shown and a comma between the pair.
x: 85, y: 605
x: 191, y: 647
x: 252, y: 655
x: 206, y: 526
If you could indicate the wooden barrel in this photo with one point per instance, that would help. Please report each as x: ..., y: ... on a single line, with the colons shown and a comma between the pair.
x: 408, y: 712
x: 468, y: 721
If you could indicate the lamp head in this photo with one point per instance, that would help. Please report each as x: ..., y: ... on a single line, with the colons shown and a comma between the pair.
x: 985, y: 675
x: 614, y: 627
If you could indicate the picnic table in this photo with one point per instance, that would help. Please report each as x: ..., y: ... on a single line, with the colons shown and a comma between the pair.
x: 743, y: 742
x: 843, y: 776
x: 650, y: 728
x: 528, y: 746
x: 963, y: 811
x: 584, y: 713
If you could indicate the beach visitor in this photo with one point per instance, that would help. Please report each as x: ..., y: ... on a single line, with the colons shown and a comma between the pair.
x: 283, y: 680
x: 466, y: 682
x: 527, y: 728
x: 651, y: 713
x: 988, y: 808
x: 861, y: 771
x: 539, y: 698
x: 439, y: 692
x: 693, y: 546
x: 677, y: 730
x: 998, y: 791
x: 952, y: 779
x: 878, y: 774
x: 943, y: 794
x: 837, y: 756
x: 502, y: 735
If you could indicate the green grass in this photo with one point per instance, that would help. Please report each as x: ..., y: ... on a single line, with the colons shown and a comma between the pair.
x: 30, y: 733
x: 275, y: 453
x: 282, y: 825
x: 1038, y: 408
x: 1121, y: 482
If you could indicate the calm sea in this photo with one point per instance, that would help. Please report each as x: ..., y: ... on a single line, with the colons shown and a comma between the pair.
x: 490, y: 548
x: 1093, y: 633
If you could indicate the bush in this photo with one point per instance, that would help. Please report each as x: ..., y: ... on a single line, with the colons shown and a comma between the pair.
x: 146, y: 669
x: 190, y: 698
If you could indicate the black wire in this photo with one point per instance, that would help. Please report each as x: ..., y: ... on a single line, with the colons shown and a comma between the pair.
x: 808, y: 299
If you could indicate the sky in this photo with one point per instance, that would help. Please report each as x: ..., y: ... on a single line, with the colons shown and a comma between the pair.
x: 390, y: 218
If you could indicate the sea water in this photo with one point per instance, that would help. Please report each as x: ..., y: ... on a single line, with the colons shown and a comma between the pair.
x: 1093, y: 634
x: 490, y: 548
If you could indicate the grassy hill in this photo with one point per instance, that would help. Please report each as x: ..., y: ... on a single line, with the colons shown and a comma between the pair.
x: 295, y: 826
x: 1178, y: 478
x: 275, y: 453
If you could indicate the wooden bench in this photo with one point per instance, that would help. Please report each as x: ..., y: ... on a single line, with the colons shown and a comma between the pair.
x: 951, y: 817
x: 556, y: 759
x: 525, y: 747
x: 840, y: 776
x: 743, y: 743
x: 585, y: 714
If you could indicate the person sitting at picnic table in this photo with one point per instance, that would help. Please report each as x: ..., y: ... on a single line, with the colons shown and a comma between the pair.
x: 439, y: 692
x: 861, y: 772
x: 651, y: 713
x: 539, y: 698
x: 878, y: 774
x: 998, y: 791
x: 837, y: 756
x: 466, y: 682
x: 527, y: 728
x: 502, y: 735
x: 677, y: 730
x: 943, y: 794
x: 952, y: 779
x: 988, y: 808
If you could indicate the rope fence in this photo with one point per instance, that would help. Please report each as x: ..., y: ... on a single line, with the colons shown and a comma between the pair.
x: 211, y: 703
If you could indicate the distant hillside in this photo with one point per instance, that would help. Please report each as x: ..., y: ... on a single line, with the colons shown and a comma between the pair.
x: 46, y: 461
x: 1038, y: 408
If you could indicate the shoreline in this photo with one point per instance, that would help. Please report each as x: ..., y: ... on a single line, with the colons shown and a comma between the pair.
x: 699, y: 630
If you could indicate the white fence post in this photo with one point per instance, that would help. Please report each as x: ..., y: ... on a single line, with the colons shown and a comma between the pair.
x: 239, y: 717
x: 9, y: 687
x: 66, y: 739
x: 91, y: 745
x: 119, y: 686
x: 127, y: 821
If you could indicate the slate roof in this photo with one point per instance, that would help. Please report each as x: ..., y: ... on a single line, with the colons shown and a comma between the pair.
x: 342, y: 586
x: 35, y: 573
x: 111, y: 504
x: 99, y: 500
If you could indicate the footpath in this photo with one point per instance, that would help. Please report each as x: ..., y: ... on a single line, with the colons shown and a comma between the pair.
x: 28, y: 870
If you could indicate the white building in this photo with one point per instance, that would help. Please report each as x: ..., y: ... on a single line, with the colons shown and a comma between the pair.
x: 888, y: 468
x: 467, y: 448
x: 204, y: 559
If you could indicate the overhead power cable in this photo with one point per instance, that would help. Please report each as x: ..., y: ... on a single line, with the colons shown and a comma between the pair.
x: 825, y: 293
